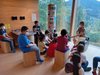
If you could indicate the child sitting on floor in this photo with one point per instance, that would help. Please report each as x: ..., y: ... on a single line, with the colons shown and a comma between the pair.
x: 47, y: 39
x: 41, y: 45
x: 84, y: 60
x: 75, y: 59
x: 52, y: 47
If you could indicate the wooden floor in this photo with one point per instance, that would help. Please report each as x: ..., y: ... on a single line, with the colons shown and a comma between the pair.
x: 12, y: 64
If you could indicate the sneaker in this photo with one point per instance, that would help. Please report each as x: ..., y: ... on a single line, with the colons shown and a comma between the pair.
x: 87, y: 69
x: 94, y: 73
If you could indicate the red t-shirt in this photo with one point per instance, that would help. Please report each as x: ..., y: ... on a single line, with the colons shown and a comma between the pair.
x: 62, y: 42
x: 51, y: 49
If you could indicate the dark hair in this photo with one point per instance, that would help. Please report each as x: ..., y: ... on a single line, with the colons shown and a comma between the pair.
x: 1, y: 24
x: 82, y: 23
x: 24, y: 28
x: 63, y: 32
x: 40, y: 33
x: 47, y: 32
x: 35, y: 22
x: 54, y: 30
x: 76, y: 60
x: 41, y: 37
x: 80, y: 48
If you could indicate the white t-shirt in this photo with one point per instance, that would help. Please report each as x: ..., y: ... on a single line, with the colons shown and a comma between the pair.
x: 46, y: 39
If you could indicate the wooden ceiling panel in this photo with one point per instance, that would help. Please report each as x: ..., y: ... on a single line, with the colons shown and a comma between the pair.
x: 18, y: 3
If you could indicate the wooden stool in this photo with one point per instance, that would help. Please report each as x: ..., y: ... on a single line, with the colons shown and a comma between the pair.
x: 60, y: 59
x: 5, y: 47
x: 29, y: 58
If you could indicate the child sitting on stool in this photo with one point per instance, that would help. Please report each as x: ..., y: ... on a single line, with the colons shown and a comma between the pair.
x: 41, y: 44
x: 62, y: 41
x: 47, y: 39
x: 52, y: 48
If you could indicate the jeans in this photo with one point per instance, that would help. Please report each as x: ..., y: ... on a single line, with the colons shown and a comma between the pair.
x: 84, y: 65
x: 33, y: 48
x: 10, y: 42
x: 95, y: 62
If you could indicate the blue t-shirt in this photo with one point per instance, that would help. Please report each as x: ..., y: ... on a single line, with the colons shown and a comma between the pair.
x: 2, y: 32
x: 23, y: 41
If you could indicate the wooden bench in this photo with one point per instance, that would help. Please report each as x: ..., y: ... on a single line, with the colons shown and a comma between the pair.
x: 60, y: 59
x: 29, y: 58
x: 5, y: 47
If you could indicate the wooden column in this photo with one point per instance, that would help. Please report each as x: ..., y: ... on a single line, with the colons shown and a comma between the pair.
x: 51, y: 18
x: 73, y: 15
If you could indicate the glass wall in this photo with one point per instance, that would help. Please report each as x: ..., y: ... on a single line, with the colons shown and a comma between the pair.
x: 63, y: 13
x: 89, y: 12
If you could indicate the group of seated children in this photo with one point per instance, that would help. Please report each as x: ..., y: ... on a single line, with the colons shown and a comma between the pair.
x: 60, y: 43
x: 44, y: 45
x: 83, y: 57
x: 79, y: 40
x: 76, y: 57
x: 76, y: 60
x: 47, y: 45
